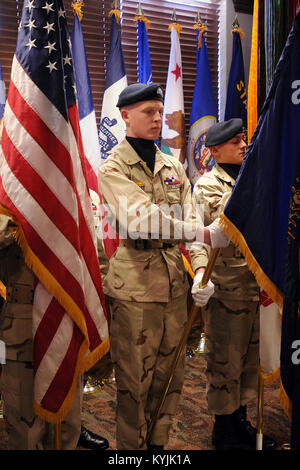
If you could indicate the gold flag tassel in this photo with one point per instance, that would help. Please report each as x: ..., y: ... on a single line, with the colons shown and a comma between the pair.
x: 201, y: 27
x: 77, y: 8
x: 174, y: 24
x: 115, y: 11
x: 139, y: 15
x: 236, y: 28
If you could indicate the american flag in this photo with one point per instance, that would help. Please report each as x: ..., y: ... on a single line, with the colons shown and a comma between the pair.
x: 43, y: 187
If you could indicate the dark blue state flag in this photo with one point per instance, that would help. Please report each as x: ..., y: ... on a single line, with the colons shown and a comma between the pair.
x: 236, y: 100
x: 263, y: 212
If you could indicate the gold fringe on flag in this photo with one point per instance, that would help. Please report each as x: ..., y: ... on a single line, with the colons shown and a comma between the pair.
x: 239, y: 31
x: 77, y: 8
x: 262, y: 279
x: 117, y: 14
x: 177, y: 26
x: 201, y: 28
x: 268, y: 379
x: 144, y: 19
x: 2, y: 290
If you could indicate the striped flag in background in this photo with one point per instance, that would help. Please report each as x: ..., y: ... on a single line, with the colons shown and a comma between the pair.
x: 43, y: 188
x: 112, y: 127
x: 88, y: 127
x: 87, y: 115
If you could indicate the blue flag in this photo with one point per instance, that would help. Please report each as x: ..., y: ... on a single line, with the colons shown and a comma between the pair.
x: 262, y: 216
x: 203, y: 115
x: 87, y: 116
x: 144, y: 62
x: 236, y: 101
x: 2, y: 94
x: 112, y: 126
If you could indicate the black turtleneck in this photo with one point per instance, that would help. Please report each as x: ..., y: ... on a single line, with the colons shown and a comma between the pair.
x: 145, y: 149
x: 232, y: 169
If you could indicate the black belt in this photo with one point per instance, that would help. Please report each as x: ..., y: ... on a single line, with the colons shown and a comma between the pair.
x: 146, y: 244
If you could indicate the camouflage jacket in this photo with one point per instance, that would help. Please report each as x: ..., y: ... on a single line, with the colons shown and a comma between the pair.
x: 157, y: 272
x: 16, y: 312
x: 231, y: 275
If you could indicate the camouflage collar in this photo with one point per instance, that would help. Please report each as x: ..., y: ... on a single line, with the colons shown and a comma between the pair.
x: 223, y: 175
x: 129, y: 156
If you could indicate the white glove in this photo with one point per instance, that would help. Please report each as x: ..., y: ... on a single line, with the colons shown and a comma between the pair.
x: 201, y: 295
x: 218, y: 238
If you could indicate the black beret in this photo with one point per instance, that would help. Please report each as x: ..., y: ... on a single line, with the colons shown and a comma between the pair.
x: 140, y: 92
x: 223, y: 131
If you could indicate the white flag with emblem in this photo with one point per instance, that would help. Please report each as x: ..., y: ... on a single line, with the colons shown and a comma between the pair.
x: 173, y: 127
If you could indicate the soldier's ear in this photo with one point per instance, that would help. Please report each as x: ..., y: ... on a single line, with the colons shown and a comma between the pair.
x: 124, y: 114
x: 213, y: 151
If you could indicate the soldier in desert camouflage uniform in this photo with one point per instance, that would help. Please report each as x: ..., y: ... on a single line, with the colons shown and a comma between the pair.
x: 232, y: 315
x: 146, y: 280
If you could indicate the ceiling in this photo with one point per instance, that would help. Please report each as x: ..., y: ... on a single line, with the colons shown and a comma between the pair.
x: 243, y: 6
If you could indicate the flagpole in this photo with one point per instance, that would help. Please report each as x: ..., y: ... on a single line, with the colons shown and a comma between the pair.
x: 195, y: 311
x: 58, y: 436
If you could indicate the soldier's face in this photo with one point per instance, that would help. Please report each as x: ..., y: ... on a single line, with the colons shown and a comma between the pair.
x: 232, y: 151
x: 143, y: 120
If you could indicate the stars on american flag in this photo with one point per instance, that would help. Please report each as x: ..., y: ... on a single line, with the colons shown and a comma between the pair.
x: 44, y: 40
x: 61, y: 13
x: 67, y: 60
x: 49, y: 26
x: 31, y: 24
x: 51, y: 66
x: 48, y: 7
x: 50, y: 46
x: 31, y: 43
x: 30, y: 5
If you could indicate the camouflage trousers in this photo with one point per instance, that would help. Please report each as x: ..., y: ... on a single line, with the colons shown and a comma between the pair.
x: 143, y: 338
x: 27, y: 431
x: 232, y: 353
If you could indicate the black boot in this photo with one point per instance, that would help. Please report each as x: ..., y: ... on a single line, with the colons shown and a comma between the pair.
x: 90, y: 440
x: 247, y: 433
x: 224, y: 436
